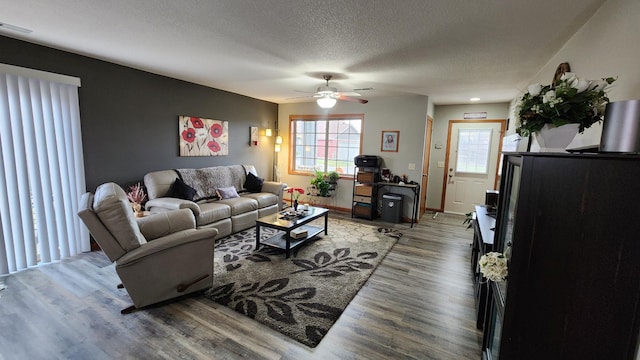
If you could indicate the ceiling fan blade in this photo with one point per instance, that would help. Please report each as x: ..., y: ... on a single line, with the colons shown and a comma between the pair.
x: 300, y: 97
x: 362, y: 89
x: 349, y: 93
x: 352, y: 99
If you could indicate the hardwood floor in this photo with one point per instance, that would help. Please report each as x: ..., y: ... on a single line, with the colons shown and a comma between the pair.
x: 418, y: 304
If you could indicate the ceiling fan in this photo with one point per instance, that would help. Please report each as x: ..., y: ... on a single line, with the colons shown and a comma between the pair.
x: 327, y: 96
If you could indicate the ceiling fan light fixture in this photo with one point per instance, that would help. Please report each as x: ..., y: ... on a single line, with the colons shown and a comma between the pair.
x: 326, y: 102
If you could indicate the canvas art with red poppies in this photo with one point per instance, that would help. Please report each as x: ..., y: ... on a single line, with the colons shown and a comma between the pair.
x: 203, y: 137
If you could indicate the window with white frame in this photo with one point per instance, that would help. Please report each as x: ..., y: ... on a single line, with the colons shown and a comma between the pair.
x: 325, y: 143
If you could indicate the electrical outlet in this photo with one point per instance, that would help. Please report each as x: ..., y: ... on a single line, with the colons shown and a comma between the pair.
x: 412, y: 166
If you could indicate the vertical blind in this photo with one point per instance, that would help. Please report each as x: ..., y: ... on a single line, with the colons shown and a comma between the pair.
x: 42, y: 172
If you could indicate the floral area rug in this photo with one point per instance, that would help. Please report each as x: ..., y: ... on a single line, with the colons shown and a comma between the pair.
x: 303, y: 296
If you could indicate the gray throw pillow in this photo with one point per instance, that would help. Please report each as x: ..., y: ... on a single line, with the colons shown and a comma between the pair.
x: 227, y: 192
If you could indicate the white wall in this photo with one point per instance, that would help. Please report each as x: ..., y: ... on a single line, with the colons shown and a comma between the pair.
x: 407, y: 114
x: 607, y: 45
x: 442, y: 115
x: 430, y: 108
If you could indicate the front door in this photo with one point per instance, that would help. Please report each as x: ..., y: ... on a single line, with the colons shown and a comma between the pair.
x: 472, y: 160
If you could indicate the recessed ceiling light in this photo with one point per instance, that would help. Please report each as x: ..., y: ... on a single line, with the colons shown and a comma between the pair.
x: 5, y: 26
x: 474, y: 99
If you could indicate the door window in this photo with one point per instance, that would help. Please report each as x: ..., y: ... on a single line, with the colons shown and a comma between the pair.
x: 474, y: 146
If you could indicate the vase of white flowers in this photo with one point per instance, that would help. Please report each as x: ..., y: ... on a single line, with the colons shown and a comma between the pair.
x: 493, y: 266
x: 543, y: 110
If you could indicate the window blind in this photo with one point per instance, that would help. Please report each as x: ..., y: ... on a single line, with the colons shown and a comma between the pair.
x: 42, y: 172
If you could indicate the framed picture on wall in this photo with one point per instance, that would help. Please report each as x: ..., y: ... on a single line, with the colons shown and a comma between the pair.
x: 203, y: 137
x: 390, y: 140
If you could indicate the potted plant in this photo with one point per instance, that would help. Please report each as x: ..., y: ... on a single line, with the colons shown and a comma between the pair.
x: 333, y: 176
x: 136, y: 197
x: 468, y: 220
x: 571, y: 100
x: 321, y: 185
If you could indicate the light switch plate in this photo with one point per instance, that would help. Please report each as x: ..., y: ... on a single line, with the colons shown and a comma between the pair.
x: 440, y: 164
x: 412, y: 166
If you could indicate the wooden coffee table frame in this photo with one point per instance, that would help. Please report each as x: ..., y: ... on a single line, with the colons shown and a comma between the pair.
x: 283, y: 240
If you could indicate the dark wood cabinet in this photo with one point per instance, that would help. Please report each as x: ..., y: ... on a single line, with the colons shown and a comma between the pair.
x: 573, y: 290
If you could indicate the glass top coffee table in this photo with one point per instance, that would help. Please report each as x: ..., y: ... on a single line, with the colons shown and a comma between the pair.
x: 286, y: 222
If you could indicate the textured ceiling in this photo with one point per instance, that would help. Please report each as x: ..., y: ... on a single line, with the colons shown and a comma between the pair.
x: 449, y: 50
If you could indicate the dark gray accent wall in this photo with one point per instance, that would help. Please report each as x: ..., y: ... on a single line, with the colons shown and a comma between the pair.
x: 130, y: 117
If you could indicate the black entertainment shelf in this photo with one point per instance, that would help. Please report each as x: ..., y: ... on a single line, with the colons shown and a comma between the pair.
x: 483, y: 232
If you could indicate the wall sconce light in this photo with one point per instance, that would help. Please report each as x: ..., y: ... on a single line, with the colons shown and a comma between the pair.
x: 278, y: 139
x: 326, y: 102
x: 277, y: 148
x: 268, y: 132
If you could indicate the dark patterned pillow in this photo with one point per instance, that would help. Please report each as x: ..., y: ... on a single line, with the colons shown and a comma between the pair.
x: 253, y: 183
x: 227, y: 192
x: 181, y: 190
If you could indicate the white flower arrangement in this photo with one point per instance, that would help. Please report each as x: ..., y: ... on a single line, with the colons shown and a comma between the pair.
x: 493, y: 266
x: 571, y: 100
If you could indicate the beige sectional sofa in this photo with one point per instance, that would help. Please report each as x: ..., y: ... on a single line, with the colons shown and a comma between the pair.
x: 236, y: 210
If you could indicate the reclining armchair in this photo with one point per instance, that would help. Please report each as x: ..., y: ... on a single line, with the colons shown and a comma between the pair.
x: 158, y: 257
